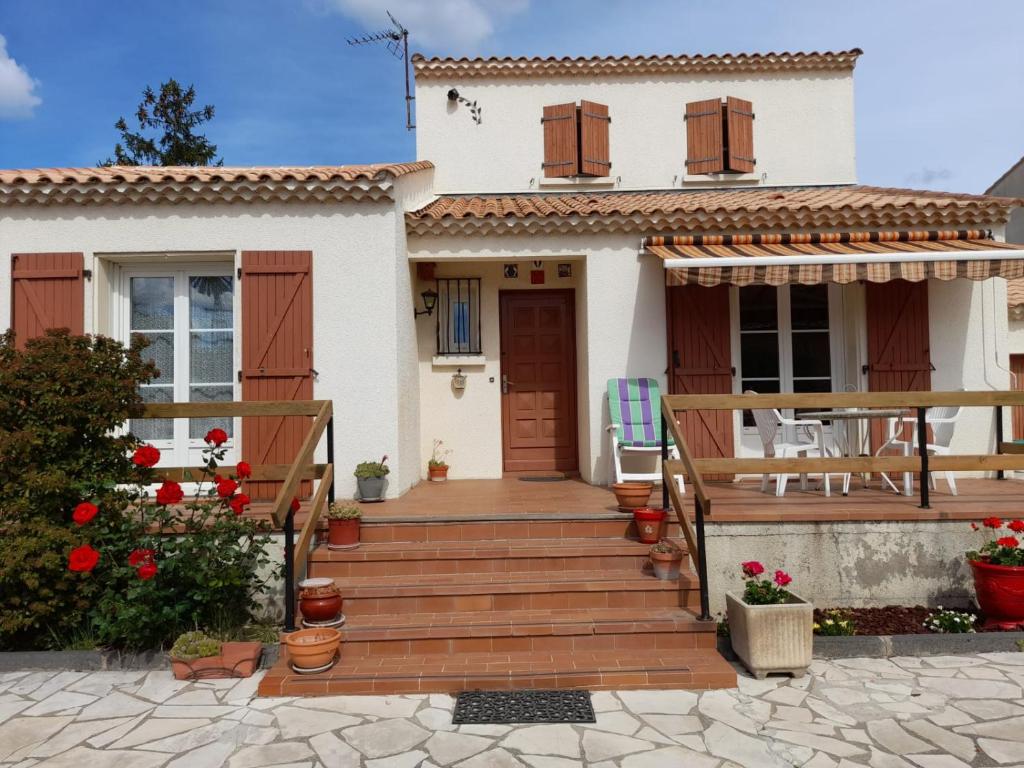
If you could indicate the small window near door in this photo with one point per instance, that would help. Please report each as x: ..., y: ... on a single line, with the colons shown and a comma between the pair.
x: 458, y: 316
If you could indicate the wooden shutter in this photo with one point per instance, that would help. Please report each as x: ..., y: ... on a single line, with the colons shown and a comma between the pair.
x: 701, y: 363
x: 704, y: 149
x: 899, y: 358
x: 560, y: 141
x: 277, y: 355
x: 1017, y: 369
x: 595, y: 150
x: 47, y: 291
x: 740, y: 133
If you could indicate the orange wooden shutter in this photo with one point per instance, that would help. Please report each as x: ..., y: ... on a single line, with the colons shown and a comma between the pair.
x: 595, y: 150
x: 899, y: 358
x: 704, y: 150
x: 701, y: 364
x: 560, y: 141
x: 277, y: 355
x: 1017, y: 369
x: 47, y: 291
x: 740, y: 132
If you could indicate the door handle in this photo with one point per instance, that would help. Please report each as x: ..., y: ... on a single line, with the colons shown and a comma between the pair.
x: 505, y: 384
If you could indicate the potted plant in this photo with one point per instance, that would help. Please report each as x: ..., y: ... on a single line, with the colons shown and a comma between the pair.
x: 343, y: 526
x: 666, y: 558
x: 771, y: 628
x: 370, y: 479
x: 437, y: 467
x: 320, y: 602
x: 648, y: 524
x: 998, y: 569
x: 632, y: 496
x: 197, y: 656
x: 312, y: 650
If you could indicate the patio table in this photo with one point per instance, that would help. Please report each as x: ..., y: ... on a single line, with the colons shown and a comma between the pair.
x: 849, y: 446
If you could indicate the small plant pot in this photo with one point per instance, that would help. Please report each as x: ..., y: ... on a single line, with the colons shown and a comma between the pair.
x: 1000, y: 593
x: 771, y: 638
x: 312, y: 649
x: 632, y: 496
x: 370, y: 488
x: 234, y: 660
x: 343, y: 533
x: 666, y: 565
x: 319, y: 600
x: 648, y: 524
x: 437, y: 474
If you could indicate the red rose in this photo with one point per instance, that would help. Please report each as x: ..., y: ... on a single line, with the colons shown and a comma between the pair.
x: 216, y: 437
x: 1008, y: 541
x: 83, y: 559
x: 1017, y: 526
x: 146, y: 456
x: 84, y: 512
x: 752, y: 568
x: 992, y: 522
x: 147, y: 571
x: 295, y: 504
x: 238, y: 503
x: 243, y: 469
x: 226, y: 487
x: 782, y: 578
x: 169, y: 493
x: 140, y: 556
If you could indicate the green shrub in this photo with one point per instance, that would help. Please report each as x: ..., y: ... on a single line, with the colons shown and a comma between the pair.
x: 347, y: 512
x: 194, y: 645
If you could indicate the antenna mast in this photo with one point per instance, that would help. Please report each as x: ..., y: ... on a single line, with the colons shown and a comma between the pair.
x: 396, y: 40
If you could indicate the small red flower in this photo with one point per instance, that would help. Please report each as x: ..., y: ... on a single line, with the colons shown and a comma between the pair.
x: 169, y: 493
x: 216, y: 437
x: 243, y: 469
x: 226, y: 487
x: 1017, y: 526
x: 974, y: 526
x: 992, y: 522
x: 238, y: 503
x: 1008, y: 541
x: 146, y: 456
x: 147, y: 571
x: 84, y: 512
x: 140, y: 556
x: 782, y: 578
x: 83, y: 559
x: 295, y: 504
x: 752, y: 568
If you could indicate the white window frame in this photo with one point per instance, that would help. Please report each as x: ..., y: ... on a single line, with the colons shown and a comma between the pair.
x: 181, y: 450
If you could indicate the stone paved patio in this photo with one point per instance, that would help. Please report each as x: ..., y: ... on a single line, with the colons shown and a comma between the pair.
x: 934, y: 712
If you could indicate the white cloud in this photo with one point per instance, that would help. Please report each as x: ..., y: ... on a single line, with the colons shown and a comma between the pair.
x: 445, y: 26
x: 17, y: 89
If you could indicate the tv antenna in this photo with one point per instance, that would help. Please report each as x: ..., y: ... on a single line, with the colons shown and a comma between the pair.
x: 396, y: 40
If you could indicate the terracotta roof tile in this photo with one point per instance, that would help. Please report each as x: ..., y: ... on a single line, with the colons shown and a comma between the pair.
x: 635, y: 65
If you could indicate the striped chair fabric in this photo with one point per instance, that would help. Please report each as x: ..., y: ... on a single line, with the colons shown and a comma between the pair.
x: 635, y: 405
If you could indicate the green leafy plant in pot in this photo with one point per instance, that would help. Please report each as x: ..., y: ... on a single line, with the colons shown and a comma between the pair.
x: 343, y: 526
x: 197, y: 656
x: 370, y: 479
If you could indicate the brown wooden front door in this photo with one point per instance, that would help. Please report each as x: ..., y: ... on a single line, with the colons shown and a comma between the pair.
x: 538, y: 368
x: 700, y: 361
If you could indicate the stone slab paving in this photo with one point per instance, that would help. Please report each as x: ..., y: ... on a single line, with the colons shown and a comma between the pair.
x: 931, y: 712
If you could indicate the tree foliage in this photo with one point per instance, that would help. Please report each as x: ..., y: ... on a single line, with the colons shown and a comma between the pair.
x: 171, y: 123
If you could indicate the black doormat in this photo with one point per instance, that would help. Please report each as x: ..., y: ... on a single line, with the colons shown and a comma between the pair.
x: 543, y: 478
x: 523, y: 707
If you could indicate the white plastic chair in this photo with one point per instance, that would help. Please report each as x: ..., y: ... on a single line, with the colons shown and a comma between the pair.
x: 768, y: 421
x: 943, y: 421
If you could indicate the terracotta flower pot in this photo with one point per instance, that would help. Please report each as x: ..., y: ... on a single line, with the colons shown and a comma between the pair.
x: 234, y: 660
x: 437, y: 474
x: 343, y: 534
x: 632, y: 496
x: 319, y: 600
x: 666, y: 564
x: 1000, y: 592
x: 771, y: 638
x: 312, y: 648
x: 648, y: 524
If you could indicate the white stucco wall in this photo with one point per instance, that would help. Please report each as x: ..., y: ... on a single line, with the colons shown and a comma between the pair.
x: 803, y: 130
x: 361, y: 297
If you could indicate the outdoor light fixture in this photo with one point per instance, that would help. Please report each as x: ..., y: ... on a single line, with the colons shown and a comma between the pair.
x: 474, y: 111
x: 429, y: 302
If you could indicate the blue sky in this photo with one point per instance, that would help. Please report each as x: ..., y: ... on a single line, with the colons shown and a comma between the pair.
x: 938, y: 90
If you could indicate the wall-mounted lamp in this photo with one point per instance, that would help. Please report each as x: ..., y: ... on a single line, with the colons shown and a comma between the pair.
x: 474, y: 111
x: 429, y: 302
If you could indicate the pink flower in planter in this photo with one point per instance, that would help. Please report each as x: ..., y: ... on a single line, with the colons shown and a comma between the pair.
x: 782, y: 578
x: 752, y: 568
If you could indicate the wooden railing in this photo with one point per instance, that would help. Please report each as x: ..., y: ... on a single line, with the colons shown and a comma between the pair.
x: 1007, y: 455
x: 289, y: 475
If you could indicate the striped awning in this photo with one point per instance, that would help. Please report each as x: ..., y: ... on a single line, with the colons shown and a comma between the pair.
x: 810, y: 258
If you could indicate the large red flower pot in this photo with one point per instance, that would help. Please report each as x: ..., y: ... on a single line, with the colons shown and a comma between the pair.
x: 1000, y: 591
x: 648, y: 524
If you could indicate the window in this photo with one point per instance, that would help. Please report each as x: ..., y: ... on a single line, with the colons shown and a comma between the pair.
x: 188, y: 318
x: 576, y: 140
x: 458, y: 316
x: 720, y: 136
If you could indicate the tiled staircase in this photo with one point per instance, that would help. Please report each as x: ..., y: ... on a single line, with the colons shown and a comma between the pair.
x: 538, y: 601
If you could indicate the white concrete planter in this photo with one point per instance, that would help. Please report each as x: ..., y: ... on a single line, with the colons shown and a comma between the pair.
x: 771, y: 638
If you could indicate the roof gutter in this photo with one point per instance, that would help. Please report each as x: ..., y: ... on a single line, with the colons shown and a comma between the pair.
x: 1001, y: 254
